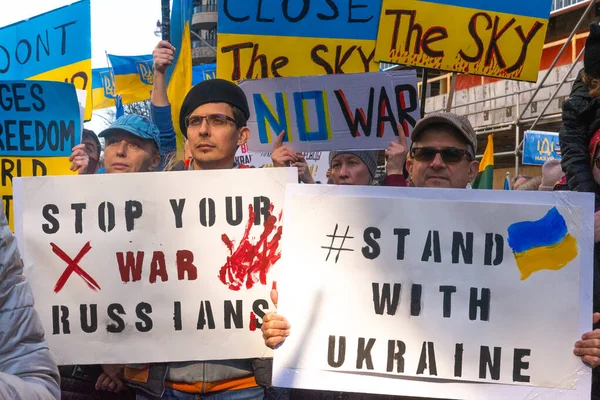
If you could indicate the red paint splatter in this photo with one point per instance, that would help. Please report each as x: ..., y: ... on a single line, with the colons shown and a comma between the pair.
x: 251, y: 262
x: 252, y: 321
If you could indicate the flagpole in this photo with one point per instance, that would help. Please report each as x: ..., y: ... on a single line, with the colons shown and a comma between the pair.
x: 166, y: 20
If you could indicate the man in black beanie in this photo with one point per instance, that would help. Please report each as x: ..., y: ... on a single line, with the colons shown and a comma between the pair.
x: 213, y: 119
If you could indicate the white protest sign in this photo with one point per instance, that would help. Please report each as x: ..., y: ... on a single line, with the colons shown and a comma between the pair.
x: 410, y: 292
x: 153, y: 267
x: 318, y: 161
x: 333, y: 112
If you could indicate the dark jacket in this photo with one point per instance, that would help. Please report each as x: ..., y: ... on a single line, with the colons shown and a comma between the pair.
x: 578, y: 114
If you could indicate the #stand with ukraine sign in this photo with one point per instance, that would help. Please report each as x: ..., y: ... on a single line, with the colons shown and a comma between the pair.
x: 479, y: 295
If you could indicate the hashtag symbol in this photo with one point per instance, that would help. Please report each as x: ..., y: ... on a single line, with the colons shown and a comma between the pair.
x: 334, y: 237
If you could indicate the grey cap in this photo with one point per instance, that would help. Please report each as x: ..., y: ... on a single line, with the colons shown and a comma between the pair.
x: 369, y: 158
x: 459, y: 122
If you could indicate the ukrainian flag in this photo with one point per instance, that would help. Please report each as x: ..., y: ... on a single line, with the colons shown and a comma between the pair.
x: 542, y: 245
x: 203, y: 72
x: 179, y: 76
x: 103, y: 88
x: 134, y: 77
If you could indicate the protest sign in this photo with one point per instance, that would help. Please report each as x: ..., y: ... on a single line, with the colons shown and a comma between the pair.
x: 153, y: 267
x: 539, y: 147
x: 318, y: 161
x: 312, y: 38
x: 54, y: 46
x: 340, y: 112
x: 465, y: 295
x: 39, y: 125
x: 503, y: 39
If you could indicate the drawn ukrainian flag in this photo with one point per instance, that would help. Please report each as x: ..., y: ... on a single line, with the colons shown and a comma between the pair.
x: 133, y: 77
x: 542, y: 245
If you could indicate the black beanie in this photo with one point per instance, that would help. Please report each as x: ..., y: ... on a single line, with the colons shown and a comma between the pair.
x: 213, y: 91
x: 591, y: 58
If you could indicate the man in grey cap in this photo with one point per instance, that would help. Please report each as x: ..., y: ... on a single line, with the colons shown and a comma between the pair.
x: 442, y: 154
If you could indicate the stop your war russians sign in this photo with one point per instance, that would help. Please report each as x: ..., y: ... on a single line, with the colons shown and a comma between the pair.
x: 338, y: 112
x: 503, y: 39
x: 54, y: 46
x: 153, y: 267
x: 40, y: 122
x: 268, y: 40
x: 481, y: 295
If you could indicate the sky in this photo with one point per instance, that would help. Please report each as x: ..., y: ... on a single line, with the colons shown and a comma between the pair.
x: 122, y: 27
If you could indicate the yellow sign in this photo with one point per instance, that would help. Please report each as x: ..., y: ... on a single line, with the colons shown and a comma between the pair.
x: 15, y: 167
x: 501, y: 38
x: 256, y: 41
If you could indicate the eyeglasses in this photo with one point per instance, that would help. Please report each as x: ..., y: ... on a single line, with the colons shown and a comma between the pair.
x: 213, y: 120
x: 597, y: 162
x: 450, y: 155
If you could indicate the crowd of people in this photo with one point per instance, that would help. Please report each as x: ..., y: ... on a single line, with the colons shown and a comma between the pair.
x: 213, y: 119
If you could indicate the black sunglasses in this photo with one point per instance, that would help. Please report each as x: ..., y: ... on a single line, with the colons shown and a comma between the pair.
x: 450, y: 155
x: 597, y: 162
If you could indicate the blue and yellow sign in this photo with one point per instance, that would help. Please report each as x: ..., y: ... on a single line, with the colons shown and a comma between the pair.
x: 503, y: 39
x: 133, y: 77
x: 39, y: 125
x: 539, y: 147
x: 55, y: 46
x: 257, y: 40
x: 103, y: 88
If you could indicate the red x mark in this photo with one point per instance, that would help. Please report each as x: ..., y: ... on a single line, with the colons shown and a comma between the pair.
x: 72, y: 266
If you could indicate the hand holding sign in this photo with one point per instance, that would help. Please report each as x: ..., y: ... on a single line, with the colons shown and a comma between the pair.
x: 163, y: 56
x: 588, y: 348
x: 79, y: 159
x: 275, y: 328
x: 395, y: 154
x: 111, y: 379
x: 282, y: 155
x: 304, y: 174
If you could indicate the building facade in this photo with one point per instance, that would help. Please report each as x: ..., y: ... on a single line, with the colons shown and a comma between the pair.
x: 204, y: 31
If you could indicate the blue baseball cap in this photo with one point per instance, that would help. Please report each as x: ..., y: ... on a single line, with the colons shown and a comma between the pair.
x: 137, y: 125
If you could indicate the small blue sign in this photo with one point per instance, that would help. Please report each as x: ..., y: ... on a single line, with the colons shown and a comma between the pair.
x: 539, y: 147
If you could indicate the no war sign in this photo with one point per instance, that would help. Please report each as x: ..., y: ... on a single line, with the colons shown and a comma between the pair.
x: 335, y: 112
